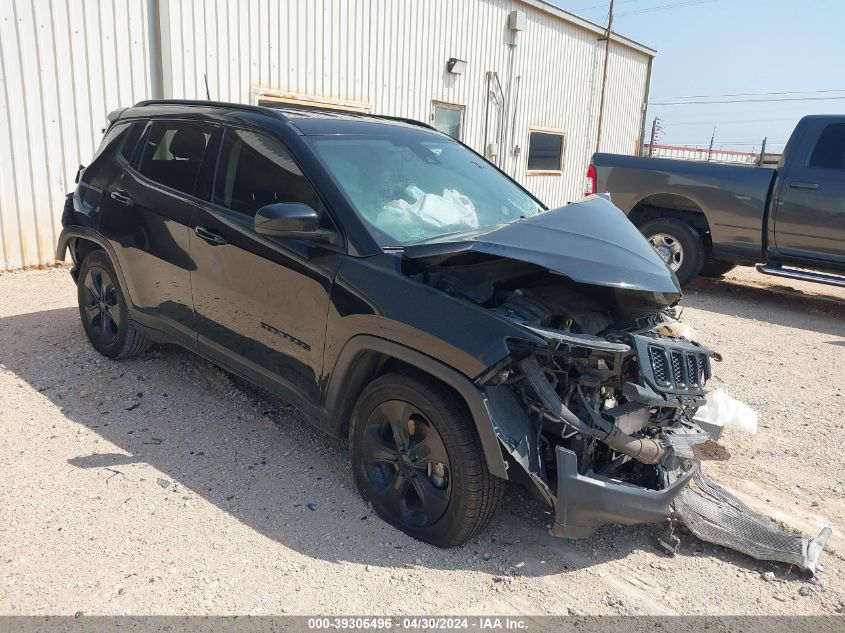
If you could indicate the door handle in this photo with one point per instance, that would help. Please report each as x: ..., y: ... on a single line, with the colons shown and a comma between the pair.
x: 122, y: 198
x: 210, y: 235
x: 804, y: 185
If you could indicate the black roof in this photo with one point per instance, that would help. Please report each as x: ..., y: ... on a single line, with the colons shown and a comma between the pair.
x: 309, y: 120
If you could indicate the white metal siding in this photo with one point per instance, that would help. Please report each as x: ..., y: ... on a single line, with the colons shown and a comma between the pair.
x: 391, y: 56
x: 66, y: 63
x: 626, y: 84
x: 63, y: 65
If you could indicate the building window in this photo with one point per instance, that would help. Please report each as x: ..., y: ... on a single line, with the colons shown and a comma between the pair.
x: 448, y: 118
x: 545, y: 151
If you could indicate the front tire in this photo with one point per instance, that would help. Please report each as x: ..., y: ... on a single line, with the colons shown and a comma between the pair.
x: 679, y: 246
x: 103, y: 309
x: 416, y: 457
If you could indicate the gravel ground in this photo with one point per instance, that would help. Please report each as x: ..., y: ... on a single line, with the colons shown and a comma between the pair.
x: 160, y: 486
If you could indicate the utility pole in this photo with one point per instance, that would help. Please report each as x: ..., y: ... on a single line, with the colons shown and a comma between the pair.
x: 655, y: 128
x: 710, y: 149
x: 762, y: 151
x: 604, y: 74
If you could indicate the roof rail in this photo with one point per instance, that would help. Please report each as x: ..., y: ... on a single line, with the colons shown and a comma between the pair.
x: 402, y: 119
x: 280, y: 110
x: 213, y: 104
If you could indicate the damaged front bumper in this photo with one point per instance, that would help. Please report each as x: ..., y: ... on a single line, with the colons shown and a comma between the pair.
x: 586, y: 502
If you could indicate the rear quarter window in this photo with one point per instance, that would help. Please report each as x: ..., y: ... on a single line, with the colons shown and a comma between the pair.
x: 97, y: 173
x: 173, y: 153
x: 130, y: 141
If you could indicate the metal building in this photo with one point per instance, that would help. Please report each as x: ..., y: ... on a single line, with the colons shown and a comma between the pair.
x: 517, y: 80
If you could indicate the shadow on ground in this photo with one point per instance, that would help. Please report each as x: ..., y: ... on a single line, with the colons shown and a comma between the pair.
x: 778, y: 305
x: 259, y: 461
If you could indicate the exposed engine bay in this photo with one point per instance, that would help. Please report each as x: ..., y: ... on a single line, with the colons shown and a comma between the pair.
x: 603, y: 384
x: 598, y: 408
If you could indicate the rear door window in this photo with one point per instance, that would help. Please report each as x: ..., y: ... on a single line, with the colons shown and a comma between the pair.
x: 256, y: 170
x: 829, y: 152
x: 173, y: 153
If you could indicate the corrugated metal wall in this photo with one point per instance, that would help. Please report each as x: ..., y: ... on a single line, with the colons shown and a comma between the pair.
x: 391, y: 57
x: 627, y: 74
x: 66, y: 63
x: 63, y: 65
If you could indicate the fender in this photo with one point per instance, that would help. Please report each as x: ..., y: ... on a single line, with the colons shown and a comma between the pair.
x: 476, y: 400
x: 73, y: 231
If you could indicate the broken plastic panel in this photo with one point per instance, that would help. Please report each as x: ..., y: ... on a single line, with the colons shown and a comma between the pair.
x: 716, y: 516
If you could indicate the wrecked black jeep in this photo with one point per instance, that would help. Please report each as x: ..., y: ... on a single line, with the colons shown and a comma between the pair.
x: 404, y: 293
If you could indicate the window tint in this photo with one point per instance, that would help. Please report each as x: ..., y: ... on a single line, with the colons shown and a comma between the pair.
x: 545, y: 151
x: 256, y: 170
x: 173, y: 153
x: 111, y: 138
x: 99, y: 171
x: 131, y: 141
x: 830, y: 149
x: 448, y: 120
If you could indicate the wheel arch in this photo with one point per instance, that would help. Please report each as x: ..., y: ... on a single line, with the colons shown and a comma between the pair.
x: 82, y: 241
x: 670, y: 205
x: 365, y: 358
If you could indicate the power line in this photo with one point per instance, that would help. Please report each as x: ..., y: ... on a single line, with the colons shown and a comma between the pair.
x: 667, y: 103
x: 676, y: 5
x: 756, y: 94
x: 721, y: 122
x: 604, y: 5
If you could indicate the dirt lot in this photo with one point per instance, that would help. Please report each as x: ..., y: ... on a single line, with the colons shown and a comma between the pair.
x: 158, y: 486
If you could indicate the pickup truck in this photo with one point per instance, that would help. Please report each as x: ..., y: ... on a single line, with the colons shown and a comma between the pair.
x: 705, y: 218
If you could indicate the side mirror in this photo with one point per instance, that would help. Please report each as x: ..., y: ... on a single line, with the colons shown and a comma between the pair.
x: 288, y: 219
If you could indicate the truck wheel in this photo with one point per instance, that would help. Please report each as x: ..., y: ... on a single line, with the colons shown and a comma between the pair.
x: 103, y: 310
x: 417, y: 459
x: 679, y: 246
x: 716, y: 268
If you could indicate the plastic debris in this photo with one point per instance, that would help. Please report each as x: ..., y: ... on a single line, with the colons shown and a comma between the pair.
x: 676, y: 329
x: 721, y: 410
x: 716, y: 516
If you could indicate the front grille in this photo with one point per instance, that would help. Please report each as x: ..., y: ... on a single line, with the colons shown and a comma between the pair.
x: 658, y: 365
x: 703, y: 368
x: 679, y: 369
x: 692, y: 370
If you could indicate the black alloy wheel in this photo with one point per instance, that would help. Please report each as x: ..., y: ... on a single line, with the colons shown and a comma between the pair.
x: 104, y: 311
x: 417, y: 458
x: 407, y: 464
x: 102, y: 308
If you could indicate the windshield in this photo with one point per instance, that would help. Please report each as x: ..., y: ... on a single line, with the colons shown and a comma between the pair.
x: 411, y: 185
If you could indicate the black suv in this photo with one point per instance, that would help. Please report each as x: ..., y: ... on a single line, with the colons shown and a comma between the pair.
x: 406, y: 294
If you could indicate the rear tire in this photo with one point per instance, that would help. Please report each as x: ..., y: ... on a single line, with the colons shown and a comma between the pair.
x: 416, y: 457
x: 716, y: 268
x: 104, y: 311
x: 678, y: 244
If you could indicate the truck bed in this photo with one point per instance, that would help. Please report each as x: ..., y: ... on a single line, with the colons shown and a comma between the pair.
x: 734, y: 197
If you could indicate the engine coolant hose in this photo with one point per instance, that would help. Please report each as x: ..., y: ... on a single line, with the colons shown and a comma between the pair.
x: 645, y: 450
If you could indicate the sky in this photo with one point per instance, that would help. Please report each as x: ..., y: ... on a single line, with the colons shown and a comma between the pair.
x: 725, y: 47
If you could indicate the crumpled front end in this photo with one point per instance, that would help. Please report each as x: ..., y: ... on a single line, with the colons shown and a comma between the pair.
x: 602, y: 425
x: 594, y: 402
